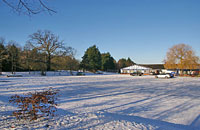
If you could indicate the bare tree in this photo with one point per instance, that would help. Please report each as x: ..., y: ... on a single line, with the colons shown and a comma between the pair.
x: 181, y: 57
x: 46, y: 42
x: 29, y: 7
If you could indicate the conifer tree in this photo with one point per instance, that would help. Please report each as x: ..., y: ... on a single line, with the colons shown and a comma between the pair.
x: 92, y: 59
x: 108, y: 62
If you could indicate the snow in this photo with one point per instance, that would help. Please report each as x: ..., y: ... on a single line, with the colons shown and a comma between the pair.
x: 136, y: 67
x: 108, y: 102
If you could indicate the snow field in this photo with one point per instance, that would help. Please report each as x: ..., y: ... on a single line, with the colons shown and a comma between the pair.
x: 115, y: 102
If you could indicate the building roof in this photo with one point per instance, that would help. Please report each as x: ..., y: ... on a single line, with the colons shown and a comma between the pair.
x: 153, y: 66
x: 136, y: 67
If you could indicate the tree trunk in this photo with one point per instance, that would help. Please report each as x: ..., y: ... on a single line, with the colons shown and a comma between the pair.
x: 12, y: 65
x: 49, y: 62
x: 1, y: 67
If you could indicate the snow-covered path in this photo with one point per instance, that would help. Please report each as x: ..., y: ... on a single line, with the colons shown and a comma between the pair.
x: 111, y: 102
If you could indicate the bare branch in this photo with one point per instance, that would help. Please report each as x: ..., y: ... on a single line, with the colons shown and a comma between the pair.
x: 29, y: 7
x: 48, y: 9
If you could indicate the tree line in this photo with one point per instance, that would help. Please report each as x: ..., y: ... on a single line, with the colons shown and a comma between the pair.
x: 179, y: 57
x: 93, y: 60
x: 44, y: 51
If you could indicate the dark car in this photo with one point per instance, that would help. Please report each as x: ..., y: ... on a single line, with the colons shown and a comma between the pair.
x: 80, y: 74
x: 136, y: 74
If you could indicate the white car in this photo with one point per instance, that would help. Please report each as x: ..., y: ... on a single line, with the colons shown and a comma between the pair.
x: 164, y: 75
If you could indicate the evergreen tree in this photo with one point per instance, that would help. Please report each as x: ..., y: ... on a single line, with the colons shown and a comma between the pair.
x: 92, y: 59
x: 129, y: 62
x: 13, y: 57
x: 3, y: 55
x: 125, y: 63
x: 108, y: 62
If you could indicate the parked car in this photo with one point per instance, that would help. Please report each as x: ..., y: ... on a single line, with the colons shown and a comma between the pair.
x: 99, y: 72
x: 164, y: 75
x: 136, y: 74
x: 80, y: 74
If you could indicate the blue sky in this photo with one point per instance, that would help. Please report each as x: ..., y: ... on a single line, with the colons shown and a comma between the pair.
x: 140, y: 29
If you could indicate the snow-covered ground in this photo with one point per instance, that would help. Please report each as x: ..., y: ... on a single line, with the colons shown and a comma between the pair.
x: 109, y: 102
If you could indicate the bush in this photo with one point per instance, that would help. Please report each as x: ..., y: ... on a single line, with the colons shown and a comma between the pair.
x: 31, y: 106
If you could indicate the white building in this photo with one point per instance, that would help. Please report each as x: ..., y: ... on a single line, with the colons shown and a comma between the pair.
x: 135, y: 68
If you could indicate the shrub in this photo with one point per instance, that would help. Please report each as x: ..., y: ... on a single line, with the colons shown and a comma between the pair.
x: 31, y: 106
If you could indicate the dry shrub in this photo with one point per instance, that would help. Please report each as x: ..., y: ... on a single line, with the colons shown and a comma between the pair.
x: 33, y: 105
